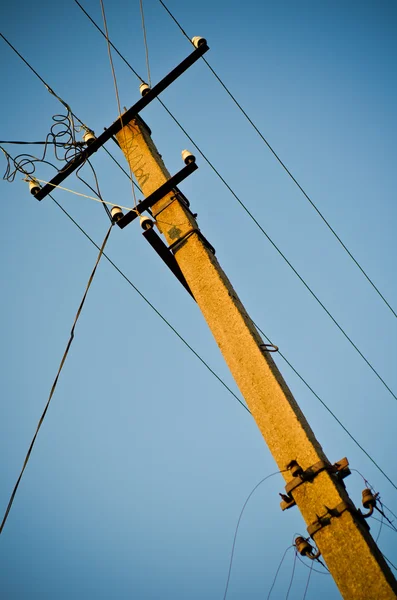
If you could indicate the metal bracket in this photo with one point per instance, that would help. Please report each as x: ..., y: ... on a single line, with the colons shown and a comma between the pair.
x: 340, y: 469
x: 174, y: 247
x: 121, y: 121
x: 158, y: 245
x: 324, y: 520
x: 157, y: 195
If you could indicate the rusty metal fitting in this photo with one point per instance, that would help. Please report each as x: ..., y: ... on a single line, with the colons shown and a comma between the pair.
x: 295, y: 468
x: 368, y: 501
x: 303, y: 546
x: 306, y: 549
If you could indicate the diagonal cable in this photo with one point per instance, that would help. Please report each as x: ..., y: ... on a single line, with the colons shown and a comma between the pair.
x: 54, y: 385
x: 283, y: 165
x: 145, y: 42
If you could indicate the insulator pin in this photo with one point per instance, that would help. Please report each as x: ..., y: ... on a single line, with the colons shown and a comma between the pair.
x: 116, y: 213
x: 144, y: 89
x: 89, y: 137
x: 198, y: 41
x: 188, y: 157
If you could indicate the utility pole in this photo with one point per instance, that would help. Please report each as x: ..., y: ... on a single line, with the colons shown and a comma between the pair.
x: 313, y: 483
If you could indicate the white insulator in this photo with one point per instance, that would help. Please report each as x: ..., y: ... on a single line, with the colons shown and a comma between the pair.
x: 144, y: 89
x: 33, y: 187
x: 145, y: 222
x: 188, y: 157
x: 89, y: 137
x: 116, y: 213
x: 198, y: 41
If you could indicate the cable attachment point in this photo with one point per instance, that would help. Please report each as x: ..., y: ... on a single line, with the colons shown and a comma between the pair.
x: 269, y: 347
x: 146, y: 223
x: 369, y: 501
x: 116, y: 213
x: 188, y: 157
x: 34, y: 186
x: 339, y: 470
x: 144, y: 88
x: 198, y: 41
x: 306, y: 549
x: 89, y: 137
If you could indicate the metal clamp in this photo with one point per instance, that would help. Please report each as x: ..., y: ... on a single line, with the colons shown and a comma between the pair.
x: 174, y: 247
x: 331, y: 513
x: 340, y: 469
x: 269, y: 347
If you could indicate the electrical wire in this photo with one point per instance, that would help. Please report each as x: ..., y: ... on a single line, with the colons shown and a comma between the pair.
x: 385, y: 517
x: 117, y: 92
x: 283, y: 165
x: 145, y: 42
x: 97, y: 191
x: 380, y: 529
x: 49, y: 89
x: 308, y: 580
x: 278, y: 570
x: 54, y: 385
x: 64, y: 189
x: 32, y: 143
x: 314, y: 570
x: 292, y: 575
x: 182, y: 339
x: 238, y: 525
x: 329, y: 411
x: 389, y: 561
x: 245, y: 208
x: 384, y: 524
x: 121, y: 168
x: 367, y: 483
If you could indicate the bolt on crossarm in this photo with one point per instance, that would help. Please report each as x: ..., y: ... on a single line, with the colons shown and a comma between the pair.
x: 338, y: 528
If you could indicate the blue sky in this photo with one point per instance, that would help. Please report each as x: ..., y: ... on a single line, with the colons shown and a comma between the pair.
x: 144, y: 461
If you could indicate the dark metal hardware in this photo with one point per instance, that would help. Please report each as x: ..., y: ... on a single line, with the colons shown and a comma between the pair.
x: 157, y: 195
x: 158, y: 245
x: 123, y: 120
x: 340, y: 469
x: 324, y: 520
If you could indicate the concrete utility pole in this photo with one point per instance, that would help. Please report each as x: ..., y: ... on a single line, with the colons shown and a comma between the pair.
x: 338, y: 528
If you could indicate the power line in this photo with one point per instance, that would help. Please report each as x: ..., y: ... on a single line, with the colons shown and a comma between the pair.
x: 282, y: 164
x: 54, y: 385
x: 329, y: 410
x: 145, y: 42
x: 389, y: 561
x: 278, y: 570
x: 125, y: 277
x: 49, y: 89
x: 38, y: 143
x: 308, y: 580
x: 348, y: 338
x: 116, y: 88
x: 292, y: 575
x: 152, y: 307
x: 238, y: 525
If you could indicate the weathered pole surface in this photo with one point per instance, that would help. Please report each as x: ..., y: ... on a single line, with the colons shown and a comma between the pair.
x: 351, y: 554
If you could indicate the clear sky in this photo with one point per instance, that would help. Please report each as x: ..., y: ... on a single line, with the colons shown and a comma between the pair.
x: 145, y: 460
